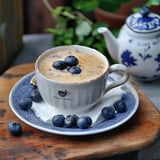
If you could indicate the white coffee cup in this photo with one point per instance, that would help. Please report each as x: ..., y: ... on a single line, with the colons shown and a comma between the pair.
x: 77, y: 97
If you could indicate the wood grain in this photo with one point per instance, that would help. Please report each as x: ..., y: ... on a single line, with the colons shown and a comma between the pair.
x: 139, y: 132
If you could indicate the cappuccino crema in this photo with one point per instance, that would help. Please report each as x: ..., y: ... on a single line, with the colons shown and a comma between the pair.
x: 92, y: 66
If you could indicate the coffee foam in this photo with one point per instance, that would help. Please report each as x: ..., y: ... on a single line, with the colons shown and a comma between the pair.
x: 92, y: 66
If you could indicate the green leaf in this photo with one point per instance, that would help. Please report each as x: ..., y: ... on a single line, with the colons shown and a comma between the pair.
x: 68, y: 15
x: 57, y: 11
x: 68, y: 33
x: 96, y: 25
x: 88, y: 41
x: 136, y: 9
x: 54, y: 31
x: 61, y: 22
x: 67, y: 41
x: 86, y: 5
x: 112, y: 5
x: 62, y: 14
x: 99, y: 24
x: 152, y: 2
x: 115, y: 31
x: 101, y: 48
x: 83, y: 28
x: 80, y: 39
x: 50, y: 30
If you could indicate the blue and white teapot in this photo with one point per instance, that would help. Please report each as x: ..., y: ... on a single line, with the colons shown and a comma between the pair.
x: 138, y: 44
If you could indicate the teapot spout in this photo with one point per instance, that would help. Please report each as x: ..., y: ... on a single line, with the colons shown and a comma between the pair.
x: 111, y: 42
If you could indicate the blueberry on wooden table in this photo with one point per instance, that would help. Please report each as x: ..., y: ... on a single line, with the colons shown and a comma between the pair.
x: 108, y: 113
x: 75, y: 70
x: 15, y: 128
x: 58, y: 120
x: 120, y: 106
x: 59, y: 65
x: 84, y: 122
x: 71, y: 60
x: 25, y: 103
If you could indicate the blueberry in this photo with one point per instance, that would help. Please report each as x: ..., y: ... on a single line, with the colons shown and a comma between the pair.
x: 58, y: 120
x: 120, y: 106
x: 108, y: 113
x: 25, y: 103
x: 71, y: 61
x: 84, y: 122
x: 15, y: 128
x: 59, y: 65
x: 70, y: 121
x: 35, y: 95
x: 75, y: 70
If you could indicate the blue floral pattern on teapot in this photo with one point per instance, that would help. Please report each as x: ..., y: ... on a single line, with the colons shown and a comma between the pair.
x: 145, y: 57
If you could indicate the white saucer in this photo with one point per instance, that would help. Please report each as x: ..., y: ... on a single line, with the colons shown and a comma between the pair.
x: 37, y: 119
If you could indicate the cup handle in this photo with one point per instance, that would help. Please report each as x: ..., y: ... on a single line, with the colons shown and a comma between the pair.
x: 120, y: 68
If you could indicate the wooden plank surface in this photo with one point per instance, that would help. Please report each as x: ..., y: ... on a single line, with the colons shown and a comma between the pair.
x: 139, y: 132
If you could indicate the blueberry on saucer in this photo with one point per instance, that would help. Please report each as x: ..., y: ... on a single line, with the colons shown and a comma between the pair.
x: 36, y: 96
x: 58, y: 120
x: 25, y: 103
x: 108, y: 113
x: 84, y: 122
x: 120, y: 106
x: 70, y: 121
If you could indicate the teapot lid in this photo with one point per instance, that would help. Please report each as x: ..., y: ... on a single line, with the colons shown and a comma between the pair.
x: 144, y: 21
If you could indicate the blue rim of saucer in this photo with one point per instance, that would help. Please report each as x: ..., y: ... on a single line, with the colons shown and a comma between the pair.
x: 23, y: 88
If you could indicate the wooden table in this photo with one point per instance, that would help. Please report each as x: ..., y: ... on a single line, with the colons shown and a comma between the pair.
x: 140, y: 131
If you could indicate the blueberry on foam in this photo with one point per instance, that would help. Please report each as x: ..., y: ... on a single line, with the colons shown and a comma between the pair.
x: 71, y: 61
x: 59, y: 65
x: 75, y: 70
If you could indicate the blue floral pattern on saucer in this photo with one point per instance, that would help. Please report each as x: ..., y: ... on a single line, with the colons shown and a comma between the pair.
x: 23, y: 87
